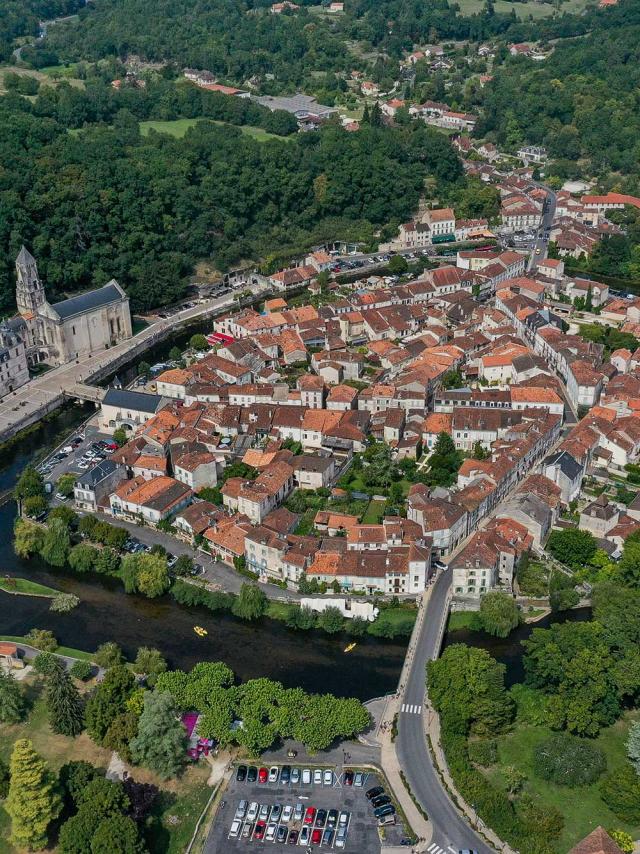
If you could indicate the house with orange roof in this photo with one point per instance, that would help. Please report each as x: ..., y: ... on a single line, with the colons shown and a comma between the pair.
x: 149, y: 501
x: 341, y: 398
x: 255, y: 499
x: 226, y: 537
x: 315, y: 424
x: 275, y: 304
x: 485, y: 562
x: 443, y: 521
x: 332, y: 523
x: 497, y: 365
x: 196, y: 469
x: 395, y: 571
x: 150, y: 465
x: 434, y: 424
x: 528, y: 397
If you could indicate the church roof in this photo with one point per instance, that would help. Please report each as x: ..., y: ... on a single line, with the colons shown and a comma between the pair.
x: 25, y: 257
x: 105, y: 295
x: 138, y: 401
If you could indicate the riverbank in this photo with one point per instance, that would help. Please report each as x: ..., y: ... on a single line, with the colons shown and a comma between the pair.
x: 24, y: 587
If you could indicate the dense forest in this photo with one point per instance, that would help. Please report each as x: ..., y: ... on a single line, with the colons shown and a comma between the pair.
x: 21, y: 18
x: 581, y: 102
x: 106, y: 201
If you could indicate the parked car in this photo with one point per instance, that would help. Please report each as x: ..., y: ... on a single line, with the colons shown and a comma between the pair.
x: 61, y: 497
x: 386, y: 819
x: 327, y: 836
x: 273, y: 774
x: 317, y: 777
x: 374, y: 792
x: 270, y: 835
x: 381, y: 800
x: 293, y: 837
x: 387, y: 809
x: 358, y: 779
x: 252, y: 774
x: 234, y: 831
x: 309, y: 815
x: 305, y: 833
x: 327, y: 778
x: 281, y: 835
x: 241, y: 809
x: 341, y: 837
x: 259, y: 831
x: 241, y: 773
x: 348, y: 778
x: 332, y: 818
x: 306, y: 777
x: 276, y: 812
x: 285, y: 774
x: 321, y: 818
x: 287, y: 812
x: 264, y: 812
x: 252, y: 812
x: 263, y: 775
x: 343, y: 821
x: 295, y: 776
x: 247, y: 830
x: 298, y: 811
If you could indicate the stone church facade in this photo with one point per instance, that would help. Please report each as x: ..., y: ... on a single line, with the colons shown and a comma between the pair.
x: 61, y: 332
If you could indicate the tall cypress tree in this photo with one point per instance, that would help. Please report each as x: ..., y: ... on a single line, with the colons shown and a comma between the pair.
x: 11, y: 699
x: 33, y: 800
x: 64, y: 704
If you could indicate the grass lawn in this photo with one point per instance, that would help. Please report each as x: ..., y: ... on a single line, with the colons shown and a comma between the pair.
x: 402, y: 619
x: 179, y: 127
x: 464, y: 620
x: 22, y: 585
x: 176, y: 811
x: 374, y: 512
x: 523, y: 10
x: 61, y: 650
x: 582, y: 808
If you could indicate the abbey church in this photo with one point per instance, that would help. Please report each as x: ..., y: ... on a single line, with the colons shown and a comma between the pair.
x: 64, y: 331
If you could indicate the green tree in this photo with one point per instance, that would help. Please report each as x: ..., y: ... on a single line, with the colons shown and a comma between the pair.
x: 120, y: 436
x: 620, y: 790
x: 108, y: 561
x: 28, y: 538
x: 466, y: 685
x: 499, y: 614
x: 65, y: 484
x: 151, y: 663
x: 397, y: 265
x: 183, y: 566
x: 33, y: 801
x: 633, y: 745
x: 251, y: 603
x: 76, y: 833
x: 56, y: 543
x: 34, y: 506
x: 623, y: 840
x: 108, y: 701
x: 64, y: 704
x: 572, y: 547
x: 117, y: 834
x: 145, y: 573
x: 175, y: 354
x: 452, y: 379
x: 568, y: 761
x: 12, y: 704
x: 161, y: 741
x: 83, y: 558
x: 331, y: 620
x: 81, y: 670
x: 42, y: 639
x: 198, y: 342
x: 104, y: 797
x: 108, y: 654
x: 30, y: 484
x: 144, y: 369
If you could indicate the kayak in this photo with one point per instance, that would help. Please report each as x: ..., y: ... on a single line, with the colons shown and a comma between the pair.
x: 200, y: 631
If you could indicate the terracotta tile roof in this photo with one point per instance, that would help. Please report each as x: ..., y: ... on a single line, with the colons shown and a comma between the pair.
x: 597, y: 842
x: 438, y: 422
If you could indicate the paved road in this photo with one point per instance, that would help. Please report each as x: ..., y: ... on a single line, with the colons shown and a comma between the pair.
x: 450, y: 829
x: 542, y: 242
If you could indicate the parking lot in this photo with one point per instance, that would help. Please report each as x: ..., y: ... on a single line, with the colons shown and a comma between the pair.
x: 326, y: 813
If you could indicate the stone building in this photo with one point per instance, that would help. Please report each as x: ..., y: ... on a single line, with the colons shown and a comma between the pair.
x: 14, y: 368
x: 72, y: 328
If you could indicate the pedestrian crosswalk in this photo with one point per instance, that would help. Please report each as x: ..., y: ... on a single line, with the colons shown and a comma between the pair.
x: 436, y: 849
x: 411, y: 709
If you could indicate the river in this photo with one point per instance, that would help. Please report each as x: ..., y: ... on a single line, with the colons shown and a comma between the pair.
x: 313, y: 660
x: 509, y: 651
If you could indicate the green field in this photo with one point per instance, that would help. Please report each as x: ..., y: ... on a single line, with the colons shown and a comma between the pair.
x: 523, y: 10
x: 582, y: 807
x: 22, y: 585
x: 178, y: 128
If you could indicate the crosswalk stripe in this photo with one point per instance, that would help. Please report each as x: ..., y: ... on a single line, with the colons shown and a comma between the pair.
x: 432, y: 847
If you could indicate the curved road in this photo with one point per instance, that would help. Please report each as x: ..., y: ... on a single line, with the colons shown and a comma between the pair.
x: 450, y: 830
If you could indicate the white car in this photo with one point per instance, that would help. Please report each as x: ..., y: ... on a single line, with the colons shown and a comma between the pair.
x: 317, y: 777
x: 241, y: 810
x: 306, y: 777
x: 327, y: 777
x: 341, y: 837
x: 265, y: 809
x: 343, y: 821
x: 252, y: 812
x: 273, y: 774
x: 234, y: 832
x: 270, y: 835
x: 298, y: 812
x: 287, y: 812
x: 305, y: 835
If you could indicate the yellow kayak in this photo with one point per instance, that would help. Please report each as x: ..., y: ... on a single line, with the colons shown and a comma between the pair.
x: 350, y: 647
x: 200, y: 631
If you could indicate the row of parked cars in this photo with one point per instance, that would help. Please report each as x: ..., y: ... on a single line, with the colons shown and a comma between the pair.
x: 311, y: 825
x: 383, y: 809
x: 286, y: 775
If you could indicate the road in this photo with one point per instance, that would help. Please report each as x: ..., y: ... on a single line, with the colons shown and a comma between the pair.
x: 449, y: 828
x: 539, y: 252
x: 43, y: 394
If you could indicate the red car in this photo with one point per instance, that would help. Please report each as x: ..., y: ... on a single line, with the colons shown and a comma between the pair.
x: 112, y: 446
x: 259, y: 831
x: 316, y: 836
x: 262, y: 775
x: 310, y: 815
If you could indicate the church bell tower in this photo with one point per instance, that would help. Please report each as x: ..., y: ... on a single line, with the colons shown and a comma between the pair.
x: 30, y: 295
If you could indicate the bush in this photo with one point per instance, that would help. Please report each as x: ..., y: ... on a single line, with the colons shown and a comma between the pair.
x: 81, y: 670
x: 42, y: 639
x: 620, y: 791
x: 568, y: 761
x: 484, y: 752
x: 108, y: 655
x: 46, y: 663
x: 63, y: 603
